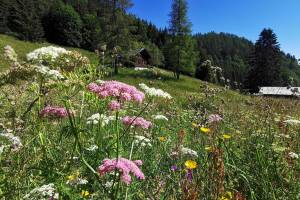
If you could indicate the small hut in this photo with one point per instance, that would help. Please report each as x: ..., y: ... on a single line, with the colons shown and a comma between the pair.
x: 140, y: 57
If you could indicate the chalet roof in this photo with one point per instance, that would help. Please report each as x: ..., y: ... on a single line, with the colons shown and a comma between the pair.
x: 142, y: 51
x: 280, y: 91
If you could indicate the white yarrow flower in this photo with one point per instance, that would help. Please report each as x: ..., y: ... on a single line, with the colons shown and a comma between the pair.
x: 96, y: 118
x: 48, y: 73
x: 293, y: 155
x: 44, y: 192
x: 143, y: 141
x: 16, y: 143
x: 92, y: 148
x: 160, y: 117
x: 292, y: 122
x: 155, y: 92
x: 50, y: 52
x: 187, y: 151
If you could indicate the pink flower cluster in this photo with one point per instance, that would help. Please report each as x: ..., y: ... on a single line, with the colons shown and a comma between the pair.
x: 214, y: 118
x: 117, y: 89
x: 57, y: 112
x: 124, y: 166
x: 136, y: 121
x: 114, y: 106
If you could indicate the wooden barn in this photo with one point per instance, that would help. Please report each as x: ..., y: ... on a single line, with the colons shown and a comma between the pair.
x: 140, y: 57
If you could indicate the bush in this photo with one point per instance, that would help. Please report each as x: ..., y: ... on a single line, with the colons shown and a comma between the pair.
x: 63, y: 25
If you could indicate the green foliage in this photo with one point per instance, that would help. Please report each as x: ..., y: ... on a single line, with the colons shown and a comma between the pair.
x: 179, y: 23
x: 181, y: 56
x: 24, y: 19
x: 91, y: 32
x: 63, y: 25
x: 228, y: 51
x: 265, y: 62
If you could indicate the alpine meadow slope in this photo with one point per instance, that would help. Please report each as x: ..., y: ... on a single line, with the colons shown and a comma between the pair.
x: 86, y: 133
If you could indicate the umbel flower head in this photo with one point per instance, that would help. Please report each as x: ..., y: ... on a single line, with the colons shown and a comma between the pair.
x: 214, y: 118
x: 153, y: 92
x: 116, y: 89
x: 124, y: 166
x: 54, y: 112
x: 137, y: 122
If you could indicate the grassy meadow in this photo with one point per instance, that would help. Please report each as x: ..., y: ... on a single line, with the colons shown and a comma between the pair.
x: 250, y: 153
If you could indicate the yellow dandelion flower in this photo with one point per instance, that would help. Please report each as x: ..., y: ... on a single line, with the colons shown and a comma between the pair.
x: 85, y: 193
x: 190, y: 164
x: 227, y: 196
x: 226, y: 137
x: 208, y: 148
x: 162, y: 139
x: 71, y: 177
x: 194, y: 125
x: 205, y: 130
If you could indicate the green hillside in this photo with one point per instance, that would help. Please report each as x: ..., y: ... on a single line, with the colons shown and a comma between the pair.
x: 22, y: 48
x: 251, y: 153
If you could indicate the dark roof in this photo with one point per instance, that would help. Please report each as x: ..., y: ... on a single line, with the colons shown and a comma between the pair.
x: 142, y: 51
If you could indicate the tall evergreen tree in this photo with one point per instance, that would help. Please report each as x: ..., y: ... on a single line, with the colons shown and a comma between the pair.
x: 119, y: 38
x: 25, y: 19
x: 63, y: 25
x: 265, y: 62
x: 4, y: 13
x: 181, y: 57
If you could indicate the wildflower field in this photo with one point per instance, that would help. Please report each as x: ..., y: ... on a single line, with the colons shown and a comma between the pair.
x: 72, y: 130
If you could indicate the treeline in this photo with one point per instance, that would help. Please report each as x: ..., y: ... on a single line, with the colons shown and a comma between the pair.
x: 235, y: 54
x: 91, y: 24
x: 87, y: 24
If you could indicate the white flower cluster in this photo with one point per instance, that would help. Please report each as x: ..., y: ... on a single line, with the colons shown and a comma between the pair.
x: 44, y: 192
x: 293, y: 155
x: 50, y: 52
x: 155, y: 92
x: 77, y: 181
x: 143, y: 141
x: 96, y: 118
x: 10, y: 53
x: 48, y: 73
x: 15, y: 140
x: 92, y: 148
x: 187, y: 151
x: 292, y: 122
x: 160, y: 117
x: 141, y: 69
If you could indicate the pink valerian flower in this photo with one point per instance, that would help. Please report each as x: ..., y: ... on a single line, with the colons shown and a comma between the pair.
x: 114, y: 106
x: 136, y: 121
x: 214, y: 118
x: 117, y: 90
x: 56, y: 112
x: 124, y: 166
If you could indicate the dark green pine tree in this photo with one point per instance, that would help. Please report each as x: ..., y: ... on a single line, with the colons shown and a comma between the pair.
x: 63, y: 25
x: 24, y: 19
x: 265, y: 62
x: 4, y: 13
x: 181, y: 56
x: 119, y: 37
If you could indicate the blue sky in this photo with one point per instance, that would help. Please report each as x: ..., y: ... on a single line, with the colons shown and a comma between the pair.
x: 245, y: 18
